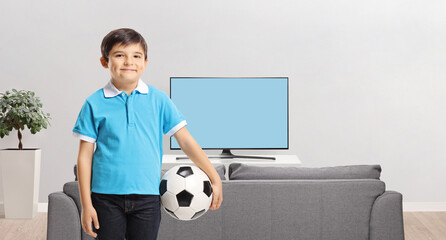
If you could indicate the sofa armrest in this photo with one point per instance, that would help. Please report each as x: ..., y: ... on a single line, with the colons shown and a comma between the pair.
x: 386, y: 219
x: 63, y: 218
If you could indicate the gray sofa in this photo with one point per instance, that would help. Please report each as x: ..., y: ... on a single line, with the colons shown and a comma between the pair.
x: 339, y: 203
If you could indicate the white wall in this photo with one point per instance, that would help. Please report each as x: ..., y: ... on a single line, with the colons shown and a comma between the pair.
x: 366, y: 77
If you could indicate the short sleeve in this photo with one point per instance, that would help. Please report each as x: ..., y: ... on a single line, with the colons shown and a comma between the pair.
x: 85, y: 127
x: 173, y: 119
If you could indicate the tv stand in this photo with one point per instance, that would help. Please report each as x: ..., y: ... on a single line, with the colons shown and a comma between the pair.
x: 226, y: 153
x: 171, y: 160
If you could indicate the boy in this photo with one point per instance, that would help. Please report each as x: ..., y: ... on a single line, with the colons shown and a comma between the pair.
x: 119, y: 181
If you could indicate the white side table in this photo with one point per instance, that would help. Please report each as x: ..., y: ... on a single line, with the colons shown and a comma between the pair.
x: 281, y: 161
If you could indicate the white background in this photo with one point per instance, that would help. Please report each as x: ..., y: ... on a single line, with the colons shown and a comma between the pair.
x: 366, y: 77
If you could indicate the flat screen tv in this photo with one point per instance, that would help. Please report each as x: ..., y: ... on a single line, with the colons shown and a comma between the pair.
x: 233, y: 112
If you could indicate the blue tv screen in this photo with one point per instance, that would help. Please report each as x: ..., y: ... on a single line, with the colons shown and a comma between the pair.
x: 233, y: 113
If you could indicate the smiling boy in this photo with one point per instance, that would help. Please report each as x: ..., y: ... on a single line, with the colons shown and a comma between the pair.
x: 126, y: 65
x: 119, y: 180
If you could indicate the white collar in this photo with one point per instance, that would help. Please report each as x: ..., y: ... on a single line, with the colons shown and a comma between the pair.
x: 111, y: 91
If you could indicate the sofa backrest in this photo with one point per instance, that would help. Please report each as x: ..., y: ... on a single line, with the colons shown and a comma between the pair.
x: 72, y: 190
x: 239, y: 171
x: 219, y: 168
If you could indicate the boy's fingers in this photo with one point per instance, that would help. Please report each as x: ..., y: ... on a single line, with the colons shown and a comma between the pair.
x: 220, y: 200
x: 96, y: 225
x: 90, y: 231
x: 212, y: 203
x: 95, y: 221
x: 216, y: 201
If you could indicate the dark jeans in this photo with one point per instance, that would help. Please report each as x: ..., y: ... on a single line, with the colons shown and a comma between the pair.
x: 134, y: 216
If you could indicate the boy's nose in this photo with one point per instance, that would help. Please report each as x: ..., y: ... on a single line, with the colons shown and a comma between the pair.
x: 128, y: 61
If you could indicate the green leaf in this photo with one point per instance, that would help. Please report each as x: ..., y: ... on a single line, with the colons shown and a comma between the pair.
x: 21, y: 108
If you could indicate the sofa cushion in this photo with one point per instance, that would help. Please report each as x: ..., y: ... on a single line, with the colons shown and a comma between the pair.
x: 221, y: 170
x: 240, y: 171
x: 327, y: 209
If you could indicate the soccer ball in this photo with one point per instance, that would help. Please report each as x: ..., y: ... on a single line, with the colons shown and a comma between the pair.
x: 186, y: 192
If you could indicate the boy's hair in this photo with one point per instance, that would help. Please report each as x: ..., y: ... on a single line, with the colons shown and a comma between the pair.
x: 124, y: 36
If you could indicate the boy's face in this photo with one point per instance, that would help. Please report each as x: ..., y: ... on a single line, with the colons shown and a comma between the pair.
x: 126, y: 63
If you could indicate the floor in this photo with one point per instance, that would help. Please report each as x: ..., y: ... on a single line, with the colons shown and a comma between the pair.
x: 425, y: 225
x: 417, y: 226
x: 23, y: 229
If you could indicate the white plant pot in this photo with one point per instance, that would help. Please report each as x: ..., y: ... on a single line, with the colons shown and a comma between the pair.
x: 20, y: 178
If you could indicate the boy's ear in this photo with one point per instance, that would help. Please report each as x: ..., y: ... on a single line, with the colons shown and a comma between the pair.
x: 104, y: 62
x: 145, y: 62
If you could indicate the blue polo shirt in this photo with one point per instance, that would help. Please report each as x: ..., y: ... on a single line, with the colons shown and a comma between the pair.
x: 128, y: 131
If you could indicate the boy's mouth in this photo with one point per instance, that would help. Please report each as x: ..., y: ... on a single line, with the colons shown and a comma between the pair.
x: 128, y: 69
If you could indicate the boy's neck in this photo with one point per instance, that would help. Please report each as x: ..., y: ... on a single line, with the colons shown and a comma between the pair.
x: 127, y: 87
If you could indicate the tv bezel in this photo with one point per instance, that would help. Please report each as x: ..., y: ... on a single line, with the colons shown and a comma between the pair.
x: 287, y: 112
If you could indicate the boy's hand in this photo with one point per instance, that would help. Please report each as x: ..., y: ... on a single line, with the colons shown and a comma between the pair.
x: 191, y: 148
x: 217, y: 195
x: 89, y: 214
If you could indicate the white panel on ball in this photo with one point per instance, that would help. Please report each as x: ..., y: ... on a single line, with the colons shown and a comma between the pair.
x: 169, y: 200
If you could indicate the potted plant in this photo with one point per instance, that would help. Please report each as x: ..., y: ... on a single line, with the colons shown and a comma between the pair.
x: 21, y: 166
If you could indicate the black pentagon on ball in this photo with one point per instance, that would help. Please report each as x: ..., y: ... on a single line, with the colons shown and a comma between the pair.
x: 198, y: 214
x: 185, y: 171
x: 207, y: 188
x: 184, y: 198
x: 163, y: 186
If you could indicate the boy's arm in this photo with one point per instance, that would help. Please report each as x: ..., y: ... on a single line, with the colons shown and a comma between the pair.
x: 84, y: 161
x: 191, y: 148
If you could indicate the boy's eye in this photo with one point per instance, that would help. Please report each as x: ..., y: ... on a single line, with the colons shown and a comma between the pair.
x: 137, y: 56
x: 119, y: 55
